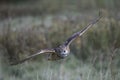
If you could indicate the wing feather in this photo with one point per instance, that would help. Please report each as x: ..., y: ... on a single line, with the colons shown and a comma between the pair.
x: 31, y: 56
x: 77, y: 34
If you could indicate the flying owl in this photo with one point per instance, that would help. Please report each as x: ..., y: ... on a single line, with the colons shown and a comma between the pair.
x: 62, y: 50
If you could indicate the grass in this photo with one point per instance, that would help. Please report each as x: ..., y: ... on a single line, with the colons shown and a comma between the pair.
x: 93, y: 56
x: 72, y: 69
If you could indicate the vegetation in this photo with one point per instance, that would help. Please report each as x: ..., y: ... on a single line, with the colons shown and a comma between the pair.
x: 94, y: 56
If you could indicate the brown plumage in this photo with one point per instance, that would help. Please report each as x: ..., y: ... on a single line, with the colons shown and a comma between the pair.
x: 63, y: 50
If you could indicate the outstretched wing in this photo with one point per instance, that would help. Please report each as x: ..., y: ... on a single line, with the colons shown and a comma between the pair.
x: 31, y: 56
x: 70, y: 39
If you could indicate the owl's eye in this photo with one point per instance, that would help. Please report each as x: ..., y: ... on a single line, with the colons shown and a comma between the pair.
x: 64, y: 51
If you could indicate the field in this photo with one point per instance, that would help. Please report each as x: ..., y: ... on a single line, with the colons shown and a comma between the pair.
x: 24, y: 31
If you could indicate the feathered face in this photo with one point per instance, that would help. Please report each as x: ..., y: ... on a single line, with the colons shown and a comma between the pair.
x: 62, y: 51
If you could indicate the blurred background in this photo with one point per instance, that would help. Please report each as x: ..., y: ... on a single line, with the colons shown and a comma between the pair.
x: 26, y: 26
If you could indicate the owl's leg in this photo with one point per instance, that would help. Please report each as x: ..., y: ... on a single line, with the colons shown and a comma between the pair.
x: 49, y: 56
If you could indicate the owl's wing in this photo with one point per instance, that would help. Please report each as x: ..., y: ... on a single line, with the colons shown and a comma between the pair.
x: 77, y: 34
x: 31, y: 56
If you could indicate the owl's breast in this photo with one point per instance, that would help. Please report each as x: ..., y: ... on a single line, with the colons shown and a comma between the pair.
x: 54, y: 57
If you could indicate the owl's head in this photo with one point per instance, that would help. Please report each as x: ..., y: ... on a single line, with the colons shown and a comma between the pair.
x: 63, y: 51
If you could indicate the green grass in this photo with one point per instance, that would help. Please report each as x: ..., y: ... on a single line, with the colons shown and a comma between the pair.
x: 92, y: 55
x: 71, y: 69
